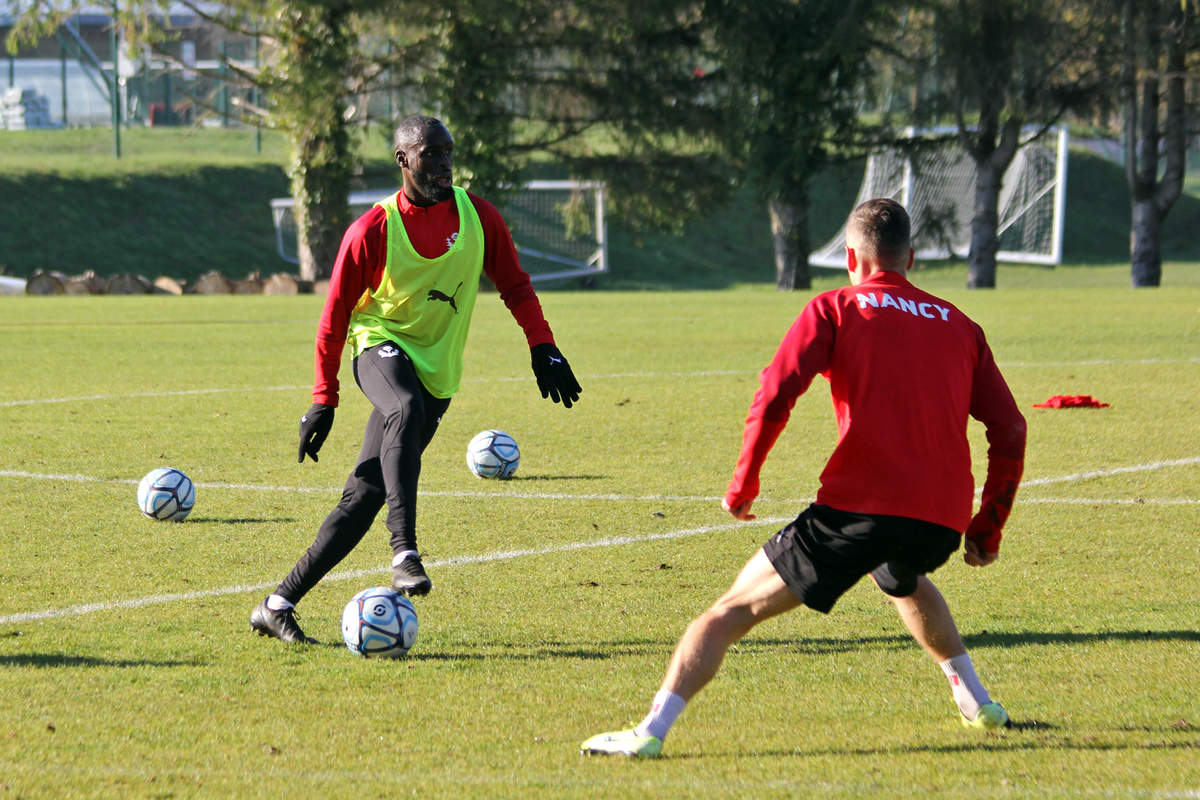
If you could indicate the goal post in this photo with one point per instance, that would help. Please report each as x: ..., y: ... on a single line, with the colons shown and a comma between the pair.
x: 559, y: 227
x: 935, y: 182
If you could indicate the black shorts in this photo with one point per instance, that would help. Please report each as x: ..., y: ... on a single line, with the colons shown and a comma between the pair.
x: 825, y: 551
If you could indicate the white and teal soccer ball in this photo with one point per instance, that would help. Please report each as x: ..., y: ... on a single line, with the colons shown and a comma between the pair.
x: 493, y: 454
x: 166, y: 494
x: 379, y: 623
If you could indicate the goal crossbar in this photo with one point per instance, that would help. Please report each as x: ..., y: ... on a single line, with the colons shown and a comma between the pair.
x: 552, y: 246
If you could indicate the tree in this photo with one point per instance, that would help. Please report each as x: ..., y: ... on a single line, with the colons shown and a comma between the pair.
x: 509, y: 79
x: 1157, y: 39
x: 617, y: 90
x: 309, y: 84
x: 995, y: 66
x: 789, y: 74
x: 672, y: 102
x: 313, y: 69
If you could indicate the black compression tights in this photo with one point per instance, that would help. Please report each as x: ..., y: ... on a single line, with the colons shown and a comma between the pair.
x: 403, y: 420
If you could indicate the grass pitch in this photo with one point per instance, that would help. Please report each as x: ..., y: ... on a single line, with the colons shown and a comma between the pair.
x: 128, y: 669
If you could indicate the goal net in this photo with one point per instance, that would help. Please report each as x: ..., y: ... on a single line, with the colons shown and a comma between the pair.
x: 558, y: 226
x: 936, y: 183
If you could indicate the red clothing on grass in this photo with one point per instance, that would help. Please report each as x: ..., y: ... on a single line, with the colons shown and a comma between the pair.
x: 905, y: 369
x: 431, y: 230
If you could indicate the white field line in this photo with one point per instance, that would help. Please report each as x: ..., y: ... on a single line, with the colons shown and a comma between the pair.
x: 175, y: 393
x: 511, y: 554
x: 1104, y: 473
x: 517, y: 495
x: 1110, y: 501
x: 1098, y: 362
x: 455, y: 561
x: 226, y: 390
x: 608, y: 376
x: 647, y: 498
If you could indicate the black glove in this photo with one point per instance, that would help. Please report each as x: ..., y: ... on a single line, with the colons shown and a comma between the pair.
x: 554, y: 376
x: 314, y: 427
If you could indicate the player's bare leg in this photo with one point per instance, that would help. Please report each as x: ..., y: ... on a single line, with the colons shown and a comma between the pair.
x: 927, y: 617
x: 757, y: 593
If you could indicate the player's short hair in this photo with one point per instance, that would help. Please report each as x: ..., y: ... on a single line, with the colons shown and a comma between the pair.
x: 881, y: 228
x: 412, y: 129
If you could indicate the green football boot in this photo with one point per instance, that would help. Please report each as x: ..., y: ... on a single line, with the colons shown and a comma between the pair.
x: 991, y: 716
x: 622, y: 743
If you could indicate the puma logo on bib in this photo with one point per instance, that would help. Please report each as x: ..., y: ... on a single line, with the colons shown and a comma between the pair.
x: 438, y: 294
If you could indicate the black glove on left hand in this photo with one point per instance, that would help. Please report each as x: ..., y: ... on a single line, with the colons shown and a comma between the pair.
x: 314, y: 427
x: 554, y: 376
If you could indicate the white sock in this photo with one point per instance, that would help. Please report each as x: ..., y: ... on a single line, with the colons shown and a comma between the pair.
x: 968, y: 691
x: 403, y: 554
x: 277, y: 603
x: 663, y: 711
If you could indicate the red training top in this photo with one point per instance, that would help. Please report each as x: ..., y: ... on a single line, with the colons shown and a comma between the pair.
x: 905, y: 369
x: 432, y: 230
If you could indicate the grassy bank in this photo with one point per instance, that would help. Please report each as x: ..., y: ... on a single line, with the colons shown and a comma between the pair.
x: 184, y: 201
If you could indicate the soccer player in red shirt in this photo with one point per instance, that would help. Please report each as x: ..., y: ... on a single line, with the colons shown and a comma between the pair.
x: 401, y: 294
x: 905, y: 369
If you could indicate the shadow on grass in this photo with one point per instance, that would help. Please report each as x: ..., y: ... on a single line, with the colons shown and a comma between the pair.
x: 1001, y: 742
x: 976, y: 640
x: 245, y: 520
x: 63, y: 660
x: 1039, y: 638
x: 532, y: 478
x: 492, y: 650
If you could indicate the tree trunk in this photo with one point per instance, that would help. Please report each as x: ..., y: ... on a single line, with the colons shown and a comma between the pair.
x: 320, y: 227
x: 789, y: 232
x: 319, y: 49
x: 321, y: 186
x: 1162, y: 44
x: 1145, y: 244
x: 310, y: 262
x: 981, y: 261
x: 44, y: 282
x: 993, y: 151
x: 282, y: 283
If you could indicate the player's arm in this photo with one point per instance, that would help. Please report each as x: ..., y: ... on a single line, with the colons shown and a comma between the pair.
x: 500, y: 263
x: 804, y: 353
x: 992, y: 404
x: 357, y: 270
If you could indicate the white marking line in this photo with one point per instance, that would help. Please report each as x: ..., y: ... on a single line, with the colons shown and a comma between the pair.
x: 1104, y: 473
x: 456, y: 561
x: 188, y: 392
x: 1109, y: 501
x: 646, y: 498
x: 257, y: 487
x: 609, y: 376
x: 177, y: 393
x: 510, y: 554
x: 1099, y: 362
x: 516, y: 495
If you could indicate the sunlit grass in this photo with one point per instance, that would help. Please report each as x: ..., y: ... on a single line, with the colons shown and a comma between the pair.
x: 581, y: 572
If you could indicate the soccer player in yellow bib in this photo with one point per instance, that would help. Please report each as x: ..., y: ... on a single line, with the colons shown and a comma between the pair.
x: 401, y: 294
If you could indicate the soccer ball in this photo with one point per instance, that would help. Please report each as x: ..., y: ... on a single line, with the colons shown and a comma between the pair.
x: 166, y: 494
x: 493, y: 454
x: 379, y: 623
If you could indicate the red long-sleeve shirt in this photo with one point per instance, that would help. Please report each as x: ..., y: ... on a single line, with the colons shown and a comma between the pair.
x: 905, y: 370
x: 431, y: 230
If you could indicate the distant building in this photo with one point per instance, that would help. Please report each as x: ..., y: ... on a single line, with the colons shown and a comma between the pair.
x: 72, y: 70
